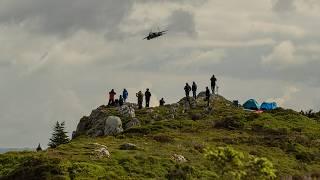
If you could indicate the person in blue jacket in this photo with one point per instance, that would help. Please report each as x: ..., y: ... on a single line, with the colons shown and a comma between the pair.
x: 125, y: 95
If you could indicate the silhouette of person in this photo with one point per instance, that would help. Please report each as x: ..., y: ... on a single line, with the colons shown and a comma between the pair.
x: 125, y: 95
x: 111, y: 97
x: 194, y: 90
x: 207, y: 96
x: 140, y: 99
x: 213, y: 83
x: 187, y: 90
x: 121, y: 100
x: 147, y: 96
x: 162, y: 102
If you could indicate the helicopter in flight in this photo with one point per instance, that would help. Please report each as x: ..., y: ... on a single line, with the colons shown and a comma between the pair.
x: 156, y: 34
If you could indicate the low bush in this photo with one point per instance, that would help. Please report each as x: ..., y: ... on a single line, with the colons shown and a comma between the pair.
x: 163, y: 138
x: 230, y: 123
x: 180, y: 172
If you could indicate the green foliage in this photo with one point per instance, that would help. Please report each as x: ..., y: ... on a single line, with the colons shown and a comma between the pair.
x: 227, y: 162
x: 180, y: 172
x: 37, y: 168
x: 260, y: 168
x: 59, y: 135
x: 230, y: 122
x: 231, y: 164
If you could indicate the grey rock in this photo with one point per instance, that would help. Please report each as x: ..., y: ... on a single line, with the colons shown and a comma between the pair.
x: 127, y: 111
x: 113, y: 126
x: 133, y: 123
x: 128, y: 146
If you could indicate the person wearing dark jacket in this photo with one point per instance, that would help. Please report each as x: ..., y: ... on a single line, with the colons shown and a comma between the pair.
x: 194, y: 90
x: 213, y: 83
x: 187, y: 90
x: 208, y: 96
x: 111, y: 97
x: 121, y: 101
x: 162, y: 102
x: 147, y: 96
x: 140, y: 99
x: 125, y: 95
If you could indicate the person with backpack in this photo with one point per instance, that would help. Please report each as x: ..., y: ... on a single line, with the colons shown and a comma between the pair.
x: 208, y: 96
x: 125, y: 95
x: 111, y: 97
x: 213, y: 83
x: 187, y: 90
x: 147, y: 96
x: 194, y: 90
x: 140, y: 99
x: 162, y: 102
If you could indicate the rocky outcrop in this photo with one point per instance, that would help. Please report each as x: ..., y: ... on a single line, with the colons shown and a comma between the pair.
x: 133, y: 123
x: 127, y: 111
x: 99, y: 123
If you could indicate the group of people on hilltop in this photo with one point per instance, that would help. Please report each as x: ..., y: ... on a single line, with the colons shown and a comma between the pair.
x: 123, y: 98
x: 117, y: 102
x: 187, y: 88
x: 193, y: 88
x: 147, y: 95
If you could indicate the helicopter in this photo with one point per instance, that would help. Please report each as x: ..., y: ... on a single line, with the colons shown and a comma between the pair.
x: 155, y: 34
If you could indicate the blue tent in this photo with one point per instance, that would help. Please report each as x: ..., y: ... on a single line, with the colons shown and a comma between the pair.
x: 251, y: 104
x: 268, y: 106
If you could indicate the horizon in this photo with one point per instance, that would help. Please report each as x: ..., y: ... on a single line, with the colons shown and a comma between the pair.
x: 58, y: 60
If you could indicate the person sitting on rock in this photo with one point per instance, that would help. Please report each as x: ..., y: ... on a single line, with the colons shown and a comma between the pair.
x: 194, y: 90
x: 111, y: 97
x: 208, y: 96
x: 140, y: 99
x: 147, y: 95
x: 125, y: 95
x: 121, y: 100
x: 116, y: 103
x: 162, y: 102
x: 187, y: 90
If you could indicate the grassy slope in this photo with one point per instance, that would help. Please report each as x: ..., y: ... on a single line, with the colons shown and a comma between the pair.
x: 289, y: 140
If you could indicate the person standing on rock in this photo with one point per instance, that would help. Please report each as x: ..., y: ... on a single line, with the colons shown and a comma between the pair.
x: 111, y: 97
x: 140, y: 99
x: 194, y: 90
x: 125, y: 95
x: 213, y: 83
x: 148, y: 96
x: 121, y: 101
x: 187, y: 90
x: 162, y: 102
x: 208, y: 96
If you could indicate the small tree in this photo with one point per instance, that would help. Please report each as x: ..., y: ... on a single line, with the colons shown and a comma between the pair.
x: 59, y: 135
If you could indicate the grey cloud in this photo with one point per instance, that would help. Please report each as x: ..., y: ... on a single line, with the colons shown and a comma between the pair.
x: 182, y: 21
x: 282, y: 6
x: 62, y: 17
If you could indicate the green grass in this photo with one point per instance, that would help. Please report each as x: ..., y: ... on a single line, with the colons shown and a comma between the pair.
x: 289, y: 140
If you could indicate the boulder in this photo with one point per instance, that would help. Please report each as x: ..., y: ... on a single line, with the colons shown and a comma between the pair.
x: 128, y: 146
x: 178, y: 158
x: 133, y: 123
x: 127, y: 111
x: 113, y: 126
x: 82, y: 125
x: 102, y: 152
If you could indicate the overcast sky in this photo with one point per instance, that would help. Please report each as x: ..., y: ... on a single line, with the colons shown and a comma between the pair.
x: 59, y: 58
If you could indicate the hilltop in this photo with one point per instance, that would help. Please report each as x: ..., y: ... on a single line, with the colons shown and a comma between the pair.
x: 170, y: 142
